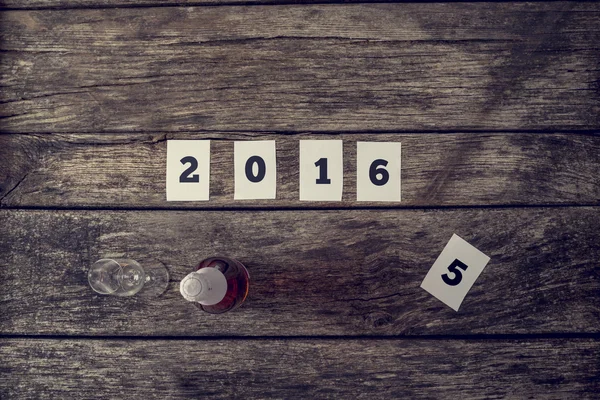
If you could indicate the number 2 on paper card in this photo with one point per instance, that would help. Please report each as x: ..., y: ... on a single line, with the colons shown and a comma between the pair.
x: 188, y: 170
x: 186, y: 176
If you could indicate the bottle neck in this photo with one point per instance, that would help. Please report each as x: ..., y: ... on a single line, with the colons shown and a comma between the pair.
x: 206, y: 286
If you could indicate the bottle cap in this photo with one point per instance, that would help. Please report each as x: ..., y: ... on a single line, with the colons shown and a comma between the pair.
x: 206, y: 286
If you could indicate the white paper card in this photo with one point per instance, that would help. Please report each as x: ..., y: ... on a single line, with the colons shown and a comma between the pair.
x: 255, y: 170
x: 321, y: 170
x: 454, y: 272
x: 378, y: 171
x: 188, y: 170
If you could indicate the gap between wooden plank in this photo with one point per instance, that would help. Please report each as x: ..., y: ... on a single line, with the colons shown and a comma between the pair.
x: 482, y: 337
x: 308, y: 208
x: 333, y: 133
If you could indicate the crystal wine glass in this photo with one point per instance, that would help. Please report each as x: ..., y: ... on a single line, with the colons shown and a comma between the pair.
x: 126, y: 277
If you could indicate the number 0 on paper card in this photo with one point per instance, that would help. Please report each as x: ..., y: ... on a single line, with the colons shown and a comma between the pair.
x: 255, y: 170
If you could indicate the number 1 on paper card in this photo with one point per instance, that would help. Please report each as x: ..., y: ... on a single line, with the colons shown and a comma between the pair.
x: 321, y: 170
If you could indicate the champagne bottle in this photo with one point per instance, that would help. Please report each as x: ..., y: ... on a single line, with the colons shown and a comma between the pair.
x: 218, y: 285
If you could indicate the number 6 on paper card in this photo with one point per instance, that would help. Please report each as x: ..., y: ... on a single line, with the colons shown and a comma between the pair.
x: 188, y: 170
x: 255, y: 170
x: 454, y: 272
x: 321, y: 170
x: 378, y: 171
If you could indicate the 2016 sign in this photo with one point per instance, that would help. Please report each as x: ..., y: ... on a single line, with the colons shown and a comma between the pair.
x: 255, y: 170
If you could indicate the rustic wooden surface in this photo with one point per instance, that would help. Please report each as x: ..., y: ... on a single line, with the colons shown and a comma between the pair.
x: 450, y: 170
x: 357, y: 67
x: 497, y: 106
x: 71, y: 4
x: 345, y: 272
x: 391, y: 369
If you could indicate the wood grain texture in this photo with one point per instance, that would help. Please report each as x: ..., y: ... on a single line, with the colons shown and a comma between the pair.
x: 355, y: 67
x: 349, y: 272
x: 249, y: 369
x: 70, y: 4
x: 437, y: 170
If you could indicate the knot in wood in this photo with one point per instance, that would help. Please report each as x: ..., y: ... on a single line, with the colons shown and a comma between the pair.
x: 378, y: 319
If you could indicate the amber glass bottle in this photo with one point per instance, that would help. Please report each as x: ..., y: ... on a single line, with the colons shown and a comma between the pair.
x: 219, y: 284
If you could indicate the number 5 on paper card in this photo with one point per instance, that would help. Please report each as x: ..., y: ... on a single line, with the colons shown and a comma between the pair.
x: 454, y: 272
x: 188, y: 170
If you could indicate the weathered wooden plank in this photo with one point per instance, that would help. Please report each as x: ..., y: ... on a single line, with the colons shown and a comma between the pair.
x: 438, y: 170
x: 251, y: 369
x: 349, y: 272
x: 361, y: 67
x: 68, y: 4
x: 58, y: 4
